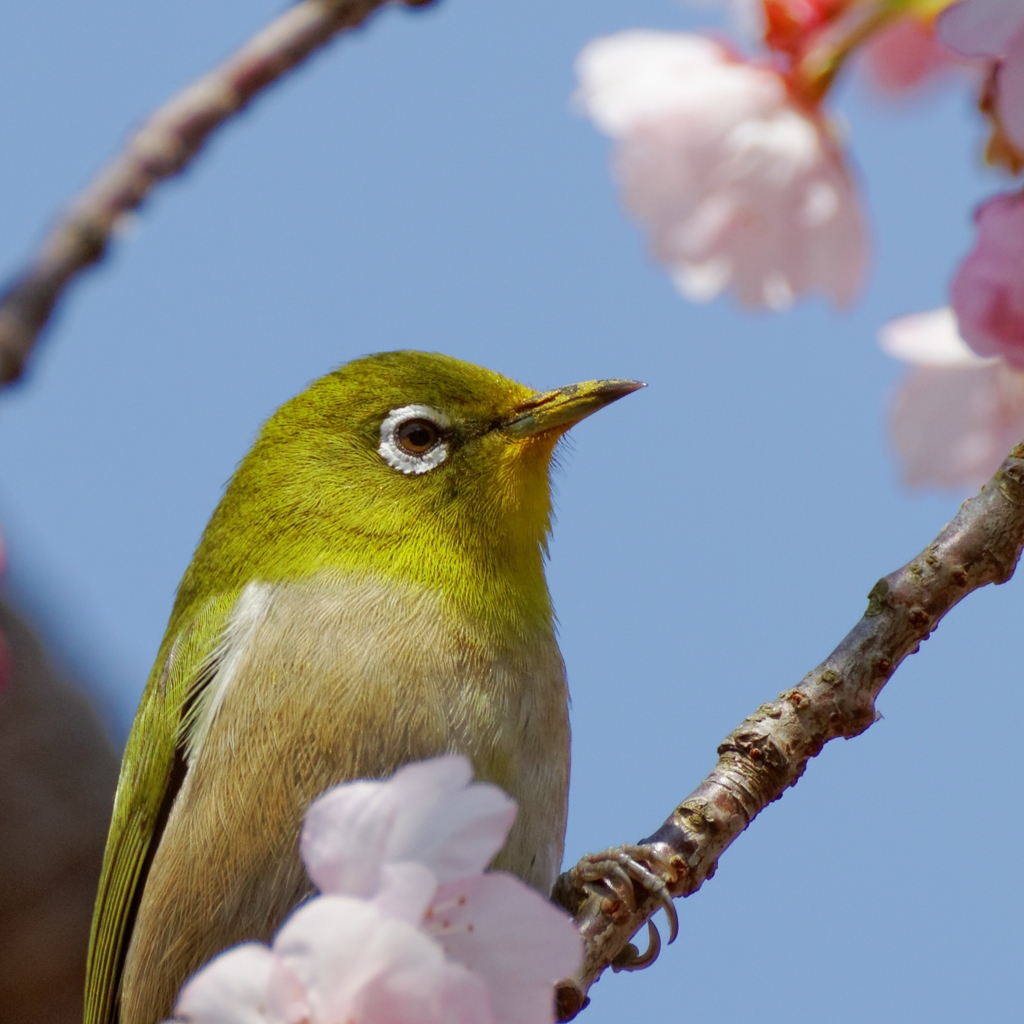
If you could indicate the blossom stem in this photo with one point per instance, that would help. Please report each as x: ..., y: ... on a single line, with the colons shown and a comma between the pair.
x: 817, y: 68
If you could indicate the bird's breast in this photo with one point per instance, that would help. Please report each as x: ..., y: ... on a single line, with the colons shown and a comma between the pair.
x: 340, y: 677
x: 313, y: 684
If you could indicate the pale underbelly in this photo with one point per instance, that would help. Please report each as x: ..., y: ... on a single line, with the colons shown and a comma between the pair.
x: 327, y: 689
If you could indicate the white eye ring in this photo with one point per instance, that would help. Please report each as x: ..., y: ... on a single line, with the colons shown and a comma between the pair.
x: 396, y: 456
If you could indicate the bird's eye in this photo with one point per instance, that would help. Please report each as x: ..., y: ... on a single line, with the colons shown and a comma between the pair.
x: 412, y: 439
x: 417, y: 436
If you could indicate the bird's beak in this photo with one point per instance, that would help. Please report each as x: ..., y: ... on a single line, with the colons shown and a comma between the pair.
x: 561, y: 408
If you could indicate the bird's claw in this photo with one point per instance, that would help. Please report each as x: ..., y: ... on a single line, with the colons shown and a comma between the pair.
x: 631, y: 959
x: 620, y: 869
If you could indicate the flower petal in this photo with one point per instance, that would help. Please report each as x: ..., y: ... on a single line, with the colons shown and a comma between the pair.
x: 988, y: 290
x: 952, y: 426
x: 360, y: 965
x: 344, y: 837
x: 405, y: 891
x: 511, y: 936
x: 641, y: 74
x: 956, y: 415
x: 450, y: 994
x: 929, y: 339
x: 428, y: 812
x: 980, y: 28
x: 906, y: 54
x: 1011, y: 90
x: 736, y: 185
x: 233, y: 988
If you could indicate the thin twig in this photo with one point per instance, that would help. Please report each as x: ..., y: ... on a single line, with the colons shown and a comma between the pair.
x: 769, y: 751
x: 163, y: 147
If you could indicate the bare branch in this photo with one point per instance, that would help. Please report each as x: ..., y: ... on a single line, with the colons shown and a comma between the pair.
x: 769, y: 751
x: 163, y: 147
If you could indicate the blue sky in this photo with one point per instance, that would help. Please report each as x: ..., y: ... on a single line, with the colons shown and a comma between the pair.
x: 425, y: 183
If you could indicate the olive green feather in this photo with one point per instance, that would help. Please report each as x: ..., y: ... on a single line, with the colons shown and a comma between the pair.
x: 147, y: 785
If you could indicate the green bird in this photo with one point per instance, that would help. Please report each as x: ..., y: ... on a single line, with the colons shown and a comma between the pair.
x: 369, y: 591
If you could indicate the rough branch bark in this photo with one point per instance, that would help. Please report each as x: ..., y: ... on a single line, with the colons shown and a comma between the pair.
x: 163, y: 147
x: 769, y: 751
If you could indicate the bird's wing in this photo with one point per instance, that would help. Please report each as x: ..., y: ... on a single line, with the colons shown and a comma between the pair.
x: 152, y: 772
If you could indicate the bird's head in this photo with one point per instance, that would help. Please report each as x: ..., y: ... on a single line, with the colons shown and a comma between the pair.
x: 408, y: 465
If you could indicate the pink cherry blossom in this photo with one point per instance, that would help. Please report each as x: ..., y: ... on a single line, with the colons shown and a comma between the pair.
x: 981, y: 28
x: 988, y: 290
x: 337, y: 960
x: 906, y: 54
x: 428, y: 812
x: 737, y: 186
x: 409, y: 929
x: 993, y: 29
x: 506, y: 933
x: 956, y: 415
x: 233, y: 989
x: 358, y: 964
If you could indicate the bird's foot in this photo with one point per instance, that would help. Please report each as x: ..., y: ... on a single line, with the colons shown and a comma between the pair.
x: 632, y: 873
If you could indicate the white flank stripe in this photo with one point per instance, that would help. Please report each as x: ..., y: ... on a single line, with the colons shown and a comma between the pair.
x: 249, y: 612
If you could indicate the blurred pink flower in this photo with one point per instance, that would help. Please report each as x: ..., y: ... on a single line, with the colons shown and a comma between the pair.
x: 409, y: 930
x: 737, y: 185
x: 956, y: 415
x: 988, y: 290
x: 906, y: 54
x: 981, y: 28
x: 993, y: 29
